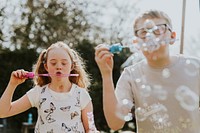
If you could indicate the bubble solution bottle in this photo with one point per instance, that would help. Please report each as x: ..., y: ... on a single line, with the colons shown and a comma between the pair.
x: 115, y: 48
x: 30, y: 118
x: 92, y: 128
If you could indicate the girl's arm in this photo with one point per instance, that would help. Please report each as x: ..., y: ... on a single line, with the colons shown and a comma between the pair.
x: 7, y: 107
x: 85, y: 111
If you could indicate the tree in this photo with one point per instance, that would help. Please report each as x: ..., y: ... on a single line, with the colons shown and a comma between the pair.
x: 1, y: 23
x: 11, y: 61
x: 46, y: 22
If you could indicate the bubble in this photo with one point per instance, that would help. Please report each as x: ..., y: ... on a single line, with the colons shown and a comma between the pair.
x: 150, y: 25
x: 149, y: 35
x: 140, y: 114
x: 145, y: 90
x: 128, y: 104
x: 187, y: 98
x: 161, y: 121
x: 128, y: 117
x: 132, y: 69
x: 157, y: 39
x: 131, y: 125
x: 144, y: 45
x: 166, y: 73
x: 191, y: 68
x: 91, y: 123
x: 162, y: 42
x: 31, y: 36
x: 137, y: 54
x: 151, y: 42
x: 138, y: 80
x: 187, y: 62
x: 159, y: 92
x: 155, y: 113
x: 124, y: 110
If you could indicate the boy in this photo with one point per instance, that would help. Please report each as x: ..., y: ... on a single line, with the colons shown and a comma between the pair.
x: 164, y: 88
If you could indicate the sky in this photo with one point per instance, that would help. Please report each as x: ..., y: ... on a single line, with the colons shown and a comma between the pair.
x: 110, y: 15
x: 174, y: 10
x: 130, y: 9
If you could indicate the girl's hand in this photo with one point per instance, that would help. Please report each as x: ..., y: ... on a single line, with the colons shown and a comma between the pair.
x: 18, y: 77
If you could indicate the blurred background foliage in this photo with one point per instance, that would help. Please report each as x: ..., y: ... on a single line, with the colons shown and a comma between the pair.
x: 33, y: 25
x: 45, y: 22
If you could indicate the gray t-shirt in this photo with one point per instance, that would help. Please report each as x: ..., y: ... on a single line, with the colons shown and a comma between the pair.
x: 166, y: 100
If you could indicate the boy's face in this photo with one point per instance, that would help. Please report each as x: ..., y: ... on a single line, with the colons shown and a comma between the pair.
x: 148, y: 30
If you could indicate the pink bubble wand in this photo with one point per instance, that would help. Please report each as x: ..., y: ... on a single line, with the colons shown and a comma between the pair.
x: 32, y: 75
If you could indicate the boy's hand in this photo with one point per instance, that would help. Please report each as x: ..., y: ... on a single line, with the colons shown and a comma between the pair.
x: 18, y: 77
x: 104, y: 59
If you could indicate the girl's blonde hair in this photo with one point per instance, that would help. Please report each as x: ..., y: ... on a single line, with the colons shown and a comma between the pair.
x: 152, y: 14
x: 78, y: 67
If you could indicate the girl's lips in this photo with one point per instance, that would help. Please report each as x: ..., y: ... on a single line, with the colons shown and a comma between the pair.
x: 58, y: 74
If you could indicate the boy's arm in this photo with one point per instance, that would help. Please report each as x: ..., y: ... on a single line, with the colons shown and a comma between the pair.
x: 110, y: 104
x: 104, y: 60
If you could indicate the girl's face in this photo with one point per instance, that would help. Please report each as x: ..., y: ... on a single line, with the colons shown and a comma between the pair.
x: 58, y: 62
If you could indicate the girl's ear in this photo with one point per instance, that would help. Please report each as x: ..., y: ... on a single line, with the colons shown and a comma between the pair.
x: 45, y: 66
x: 173, y: 38
x: 73, y: 66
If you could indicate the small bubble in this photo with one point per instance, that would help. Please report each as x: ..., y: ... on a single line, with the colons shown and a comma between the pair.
x: 159, y: 92
x: 166, y: 73
x: 149, y: 25
x: 157, y: 39
x: 140, y: 114
x: 191, y: 68
x: 145, y: 91
x: 138, y: 80
x: 125, y: 101
x: 124, y: 110
x: 128, y: 117
x: 187, y: 62
x: 132, y: 69
x: 187, y: 98
x: 160, y: 120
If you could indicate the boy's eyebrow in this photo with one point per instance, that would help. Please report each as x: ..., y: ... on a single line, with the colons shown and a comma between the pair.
x: 139, y: 29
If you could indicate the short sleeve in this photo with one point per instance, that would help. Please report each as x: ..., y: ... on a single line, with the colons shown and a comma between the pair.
x: 84, y: 98
x: 124, y: 87
x: 33, y: 96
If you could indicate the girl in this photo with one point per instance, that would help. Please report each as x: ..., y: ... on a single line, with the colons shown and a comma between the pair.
x: 62, y: 100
